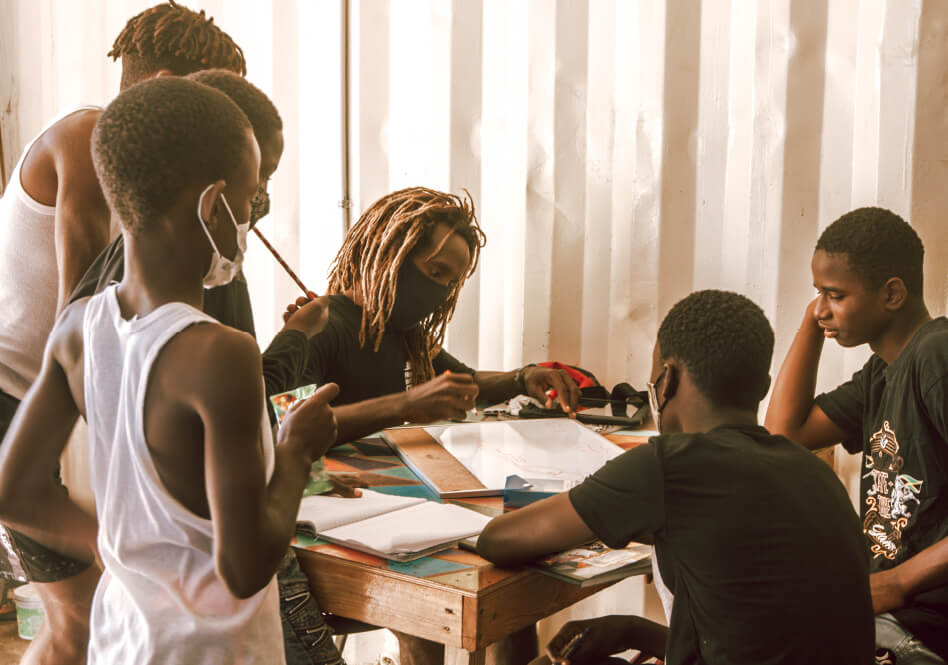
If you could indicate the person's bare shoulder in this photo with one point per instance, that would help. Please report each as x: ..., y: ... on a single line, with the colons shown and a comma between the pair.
x: 214, y: 366
x: 64, y: 144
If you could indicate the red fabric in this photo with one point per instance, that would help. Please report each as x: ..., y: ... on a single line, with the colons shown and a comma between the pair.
x: 582, y: 380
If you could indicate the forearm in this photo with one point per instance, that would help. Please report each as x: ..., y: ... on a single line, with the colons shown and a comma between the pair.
x: 495, y: 387
x: 55, y: 521
x: 363, y: 418
x: 248, y: 562
x: 550, y: 525
x: 794, y: 390
x: 924, y: 571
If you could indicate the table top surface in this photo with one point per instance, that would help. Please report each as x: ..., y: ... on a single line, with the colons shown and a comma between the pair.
x: 379, y: 468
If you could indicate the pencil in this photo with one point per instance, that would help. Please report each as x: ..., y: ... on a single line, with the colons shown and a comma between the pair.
x: 276, y: 255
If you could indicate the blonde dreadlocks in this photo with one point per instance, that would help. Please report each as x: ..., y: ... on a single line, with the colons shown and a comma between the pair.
x: 171, y: 36
x: 377, y: 246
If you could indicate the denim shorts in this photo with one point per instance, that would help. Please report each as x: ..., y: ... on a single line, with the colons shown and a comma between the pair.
x: 22, y: 558
x: 307, y: 640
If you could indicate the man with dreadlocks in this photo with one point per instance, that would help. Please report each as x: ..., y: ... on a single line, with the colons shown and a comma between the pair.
x: 53, y: 222
x: 393, y: 288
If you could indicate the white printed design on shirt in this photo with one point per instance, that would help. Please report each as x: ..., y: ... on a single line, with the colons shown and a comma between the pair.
x: 889, y: 497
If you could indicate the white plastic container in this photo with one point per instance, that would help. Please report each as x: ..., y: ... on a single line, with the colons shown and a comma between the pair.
x: 29, y: 611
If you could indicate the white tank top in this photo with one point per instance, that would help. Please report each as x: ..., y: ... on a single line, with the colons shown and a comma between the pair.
x: 160, y: 599
x: 29, y: 279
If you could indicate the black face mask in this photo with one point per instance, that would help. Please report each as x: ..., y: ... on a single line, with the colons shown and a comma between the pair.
x: 416, y: 296
x: 259, y: 206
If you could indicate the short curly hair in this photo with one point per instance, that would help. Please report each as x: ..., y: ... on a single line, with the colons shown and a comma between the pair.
x: 878, y: 245
x: 260, y: 111
x: 725, y: 342
x: 161, y: 136
x: 171, y: 36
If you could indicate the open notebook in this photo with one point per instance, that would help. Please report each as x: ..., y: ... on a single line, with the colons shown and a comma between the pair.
x: 392, y: 527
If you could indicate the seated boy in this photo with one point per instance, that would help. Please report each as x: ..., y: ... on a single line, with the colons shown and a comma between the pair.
x: 867, y: 270
x: 753, y: 534
x: 394, y: 286
x: 195, y: 506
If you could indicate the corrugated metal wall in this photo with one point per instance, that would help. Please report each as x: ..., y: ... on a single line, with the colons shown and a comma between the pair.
x: 621, y: 153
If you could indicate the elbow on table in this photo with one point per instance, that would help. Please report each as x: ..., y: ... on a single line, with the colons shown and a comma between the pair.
x: 498, y: 546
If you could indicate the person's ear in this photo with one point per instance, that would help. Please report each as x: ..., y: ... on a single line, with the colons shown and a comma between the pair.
x: 210, y: 203
x: 894, y: 294
x: 670, y: 384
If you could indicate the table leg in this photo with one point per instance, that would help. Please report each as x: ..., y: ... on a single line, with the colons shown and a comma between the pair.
x: 456, y: 656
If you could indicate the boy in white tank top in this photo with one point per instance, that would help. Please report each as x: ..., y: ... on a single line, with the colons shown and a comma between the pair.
x: 54, y: 221
x: 173, y: 400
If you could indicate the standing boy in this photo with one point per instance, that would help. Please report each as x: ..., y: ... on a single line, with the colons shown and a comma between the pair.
x: 753, y: 534
x: 53, y: 222
x: 867, y: 270
x: 307, y: 638
x: 174, y: 401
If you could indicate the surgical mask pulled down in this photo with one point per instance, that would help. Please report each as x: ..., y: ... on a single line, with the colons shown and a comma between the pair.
x: 223, y: 270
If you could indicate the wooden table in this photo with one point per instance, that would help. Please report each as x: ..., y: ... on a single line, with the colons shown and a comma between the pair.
x: 455, y: 597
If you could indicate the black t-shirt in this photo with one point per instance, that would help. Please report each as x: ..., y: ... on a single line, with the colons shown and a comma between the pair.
x: 756, y: 538
x: 283, y: 361
x: 897, y: 416
x: 362, y: 373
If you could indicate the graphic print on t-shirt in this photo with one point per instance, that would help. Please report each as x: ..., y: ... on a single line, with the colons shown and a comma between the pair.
x: 888, y: 499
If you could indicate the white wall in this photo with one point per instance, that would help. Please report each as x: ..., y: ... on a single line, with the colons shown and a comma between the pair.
x: 621, y: 154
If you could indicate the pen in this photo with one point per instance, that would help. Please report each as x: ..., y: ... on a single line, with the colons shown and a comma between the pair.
x: 573, y: 644
x: 281, y: 261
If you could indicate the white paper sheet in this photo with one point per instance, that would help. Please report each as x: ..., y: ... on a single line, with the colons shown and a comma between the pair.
x: 412, y: 529
x: 552, y: 448
x: 329, y: 512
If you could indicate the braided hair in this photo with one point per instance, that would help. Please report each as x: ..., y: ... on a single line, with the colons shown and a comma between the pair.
x: 377, y: 246
x: 173, y: 37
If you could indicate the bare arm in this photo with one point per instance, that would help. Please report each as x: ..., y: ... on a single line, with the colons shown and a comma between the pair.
x: 82, y: 215
x: 892, y: 589
x: 254, y: 520
x: 498, y: 386
x: 445, y: 397
x: 792, y: 411
x: 553, y: 525
x: 30, y: 498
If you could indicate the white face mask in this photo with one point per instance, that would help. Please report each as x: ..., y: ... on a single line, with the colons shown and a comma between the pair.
x: 223, y: 270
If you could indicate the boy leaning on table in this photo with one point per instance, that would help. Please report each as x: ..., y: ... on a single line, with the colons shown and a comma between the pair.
x: 867, y: 270
x: 753, y: 534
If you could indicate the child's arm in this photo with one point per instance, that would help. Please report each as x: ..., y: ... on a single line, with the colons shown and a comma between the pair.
x: 792, y: 410
x: 254, y: 520
x: 892, y: 589
x: 447, y: 396
x: 550, y: 525
x: 31, y: 500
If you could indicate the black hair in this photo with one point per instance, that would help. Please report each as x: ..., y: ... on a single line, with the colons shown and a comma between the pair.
x: 725, y: 342
x: 173, y: 37
x: 878, y: 245
x: 260, y: 111
x: 161, y: 136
